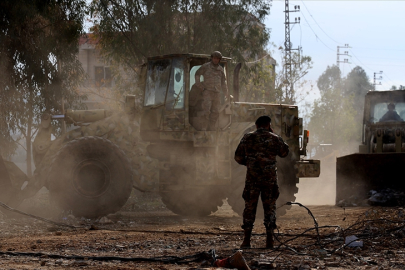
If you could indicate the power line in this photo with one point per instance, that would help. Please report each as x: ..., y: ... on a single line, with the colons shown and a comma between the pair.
x: 390, y: 81
x: 359, y: 63
x: 351, y: 51
x: 318, y: 24
x: 316, y: 34
x: 379, y: 49
x: 401, y: 60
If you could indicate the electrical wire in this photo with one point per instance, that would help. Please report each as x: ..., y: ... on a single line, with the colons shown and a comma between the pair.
x: 5, y: 206
x: 318, y: 24
x: 316, y: 34
x: 372, y: 70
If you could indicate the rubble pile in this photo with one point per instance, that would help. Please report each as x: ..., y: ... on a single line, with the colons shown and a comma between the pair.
x: 387, y: 197
x: 384, y: 197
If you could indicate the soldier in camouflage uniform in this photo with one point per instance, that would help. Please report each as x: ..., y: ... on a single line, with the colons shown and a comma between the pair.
x: 214, y: 81
x: 257, y: 151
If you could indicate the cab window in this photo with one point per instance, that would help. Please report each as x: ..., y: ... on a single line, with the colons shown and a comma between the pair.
x: 165, y: 83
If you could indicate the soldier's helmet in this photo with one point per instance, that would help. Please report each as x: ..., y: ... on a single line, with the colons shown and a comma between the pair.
x: 391, y: 106
x: 216, y: 54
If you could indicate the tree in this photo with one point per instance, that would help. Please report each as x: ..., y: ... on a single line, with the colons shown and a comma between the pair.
x: 330, y: 79
x: 333, y: 116
x: 38, y: 52
x: 356, y: 85
x: 332, y: 119
x: 258, y: 81
x: 394, y: 87
x: 130, y: 31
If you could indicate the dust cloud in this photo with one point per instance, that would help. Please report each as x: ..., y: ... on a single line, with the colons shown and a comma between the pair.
x: 322, y: 190
x: 318, y: 191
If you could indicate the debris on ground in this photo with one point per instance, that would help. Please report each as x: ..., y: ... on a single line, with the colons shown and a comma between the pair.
x: 387, y: 197
x: 162, y: 240
x: 384, y: 197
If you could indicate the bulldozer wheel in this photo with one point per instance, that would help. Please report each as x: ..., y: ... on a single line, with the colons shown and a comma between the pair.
x: 287, y: 181
x: 91, y: 177
x: 193, y: 202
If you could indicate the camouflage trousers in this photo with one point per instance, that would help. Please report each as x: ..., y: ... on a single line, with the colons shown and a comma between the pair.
x: 268, y: 191
x: 211, y: 102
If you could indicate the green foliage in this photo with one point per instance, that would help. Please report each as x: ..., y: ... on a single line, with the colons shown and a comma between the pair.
x: 258, y: 81
x: 330, y: 79
x: 356, y: 85
x: 39, y: 65
x: 337, y: 116
x: 131, y: 30
x: 332, y: 119
x: 394, y: 87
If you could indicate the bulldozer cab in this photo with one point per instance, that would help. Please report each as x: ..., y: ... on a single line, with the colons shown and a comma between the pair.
x: 385, y: 106
x: 170, y: 90
x: 384, y: 122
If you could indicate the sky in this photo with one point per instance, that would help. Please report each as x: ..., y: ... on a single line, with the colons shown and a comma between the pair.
x: 374, y: 31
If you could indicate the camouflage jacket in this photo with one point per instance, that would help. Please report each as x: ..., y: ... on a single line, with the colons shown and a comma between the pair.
x: 214, y: 77
x: 258, y: 150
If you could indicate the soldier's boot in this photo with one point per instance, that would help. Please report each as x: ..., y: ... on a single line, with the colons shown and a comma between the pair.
x: 246, y: 239
x: 270, y: 238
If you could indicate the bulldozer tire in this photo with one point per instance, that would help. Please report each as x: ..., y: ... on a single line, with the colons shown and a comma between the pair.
x: 193, y: 202
x: 91, y: 177
x: 287, y: 181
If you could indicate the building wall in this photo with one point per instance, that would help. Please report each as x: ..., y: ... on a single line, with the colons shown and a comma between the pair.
x: 98, y: 84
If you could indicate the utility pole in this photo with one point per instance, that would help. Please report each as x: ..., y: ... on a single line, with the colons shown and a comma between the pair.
x: 288, y: 81
x: 346, y: 53
x: 346, y: 61
x: 377, y: 78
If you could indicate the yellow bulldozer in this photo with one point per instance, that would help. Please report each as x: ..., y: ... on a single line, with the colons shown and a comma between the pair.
x: 91, y: 169
x: 379, y: 163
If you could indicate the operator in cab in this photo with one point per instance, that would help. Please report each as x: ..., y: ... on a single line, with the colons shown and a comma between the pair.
x: 391, y: 114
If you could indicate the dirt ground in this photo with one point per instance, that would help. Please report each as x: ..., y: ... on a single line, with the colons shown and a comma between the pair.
x: 128, y: 239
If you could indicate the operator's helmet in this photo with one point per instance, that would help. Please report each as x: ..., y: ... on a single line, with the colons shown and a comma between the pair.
x: 391, y: 105
x: 216, y: 54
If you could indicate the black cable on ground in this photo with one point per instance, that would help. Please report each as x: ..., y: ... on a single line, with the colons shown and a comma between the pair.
x: 164, y: 259
x: 5, y: 206
x: 315, y: 222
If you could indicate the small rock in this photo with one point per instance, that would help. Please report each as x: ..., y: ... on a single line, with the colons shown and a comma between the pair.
x: 79, y: 263
x: 332, y: 264
x: 105, y: 220
x: 58, y: 233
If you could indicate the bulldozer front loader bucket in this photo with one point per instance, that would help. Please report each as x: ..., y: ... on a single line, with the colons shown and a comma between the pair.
x: 11, y: 180
x: 357, y: 174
